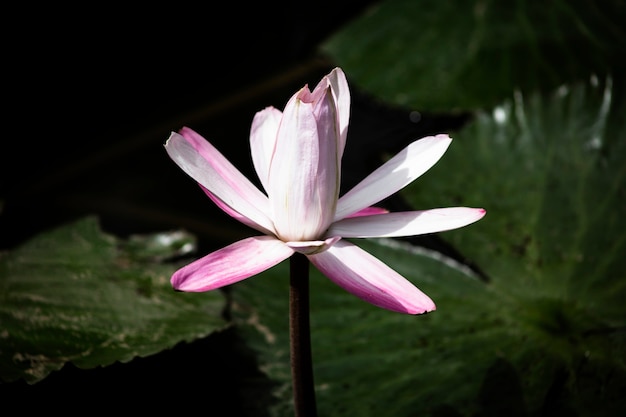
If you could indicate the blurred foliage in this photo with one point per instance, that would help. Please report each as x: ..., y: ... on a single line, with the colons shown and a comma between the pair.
x: 77, y: 295
x: 546, y: 335
x: 463, y: 55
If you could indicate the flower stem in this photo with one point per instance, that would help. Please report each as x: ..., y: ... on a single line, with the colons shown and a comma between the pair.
x: 300, y: 337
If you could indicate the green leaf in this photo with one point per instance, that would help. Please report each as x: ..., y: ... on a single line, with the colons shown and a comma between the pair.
x: 545, y: 334
x: 77, y: 295
x: 550, y: 171
x: 369, y: 361
x: 463, y: 55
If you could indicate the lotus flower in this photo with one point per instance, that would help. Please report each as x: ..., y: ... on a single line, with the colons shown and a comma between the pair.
x: 297, y: 157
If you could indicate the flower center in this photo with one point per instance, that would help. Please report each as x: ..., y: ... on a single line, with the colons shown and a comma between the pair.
x: 312, y: 247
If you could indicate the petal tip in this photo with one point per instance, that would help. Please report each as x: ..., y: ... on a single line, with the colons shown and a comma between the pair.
x: 423, y: 308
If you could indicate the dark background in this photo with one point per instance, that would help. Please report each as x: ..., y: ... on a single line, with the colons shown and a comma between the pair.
x: 92, y: 94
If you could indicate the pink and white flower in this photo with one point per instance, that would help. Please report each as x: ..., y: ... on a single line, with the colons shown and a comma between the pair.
x: 297, y: 156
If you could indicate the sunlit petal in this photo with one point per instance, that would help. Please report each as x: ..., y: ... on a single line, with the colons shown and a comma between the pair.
x: 394, y: 175
x: 338, y: 85
x: 263, y: 134
x: 205, y: 164
x: 304, y: 173
x: 341, y: 95
x: 328, y: 178
x: 409, y: 223
x: 368, y: 278
x: 231, y: 264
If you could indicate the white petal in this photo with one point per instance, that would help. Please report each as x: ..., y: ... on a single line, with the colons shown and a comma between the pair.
x: 341, y: 96
x: 205, y: 164
x: 394, y: 175
x: 365, y: 276
x: 231, y: 264
x: 408, y: 223
x: 263, y: 134
x: 304, y: 173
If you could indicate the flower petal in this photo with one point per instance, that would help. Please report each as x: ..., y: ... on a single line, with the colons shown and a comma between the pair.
x: 314, y: 246
x: 263, y: 134
x: 369, y: 211
x: 394, y: 175
x: 338, y: 85
x: 365, y: 276
x: 409, y: 223
x: 205, y: 164
x: 341, y: 96
x: 231, y: 264
x: 304, y: 173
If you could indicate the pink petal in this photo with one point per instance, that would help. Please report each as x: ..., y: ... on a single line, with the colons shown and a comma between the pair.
x: 369, y: 211
x: 263, y: 134
x: 394, y: 175
x: 205, y: 164
x: 304, y: 173
x: 363, y: 275
x: 231, y: 264
x: 408, y: 223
